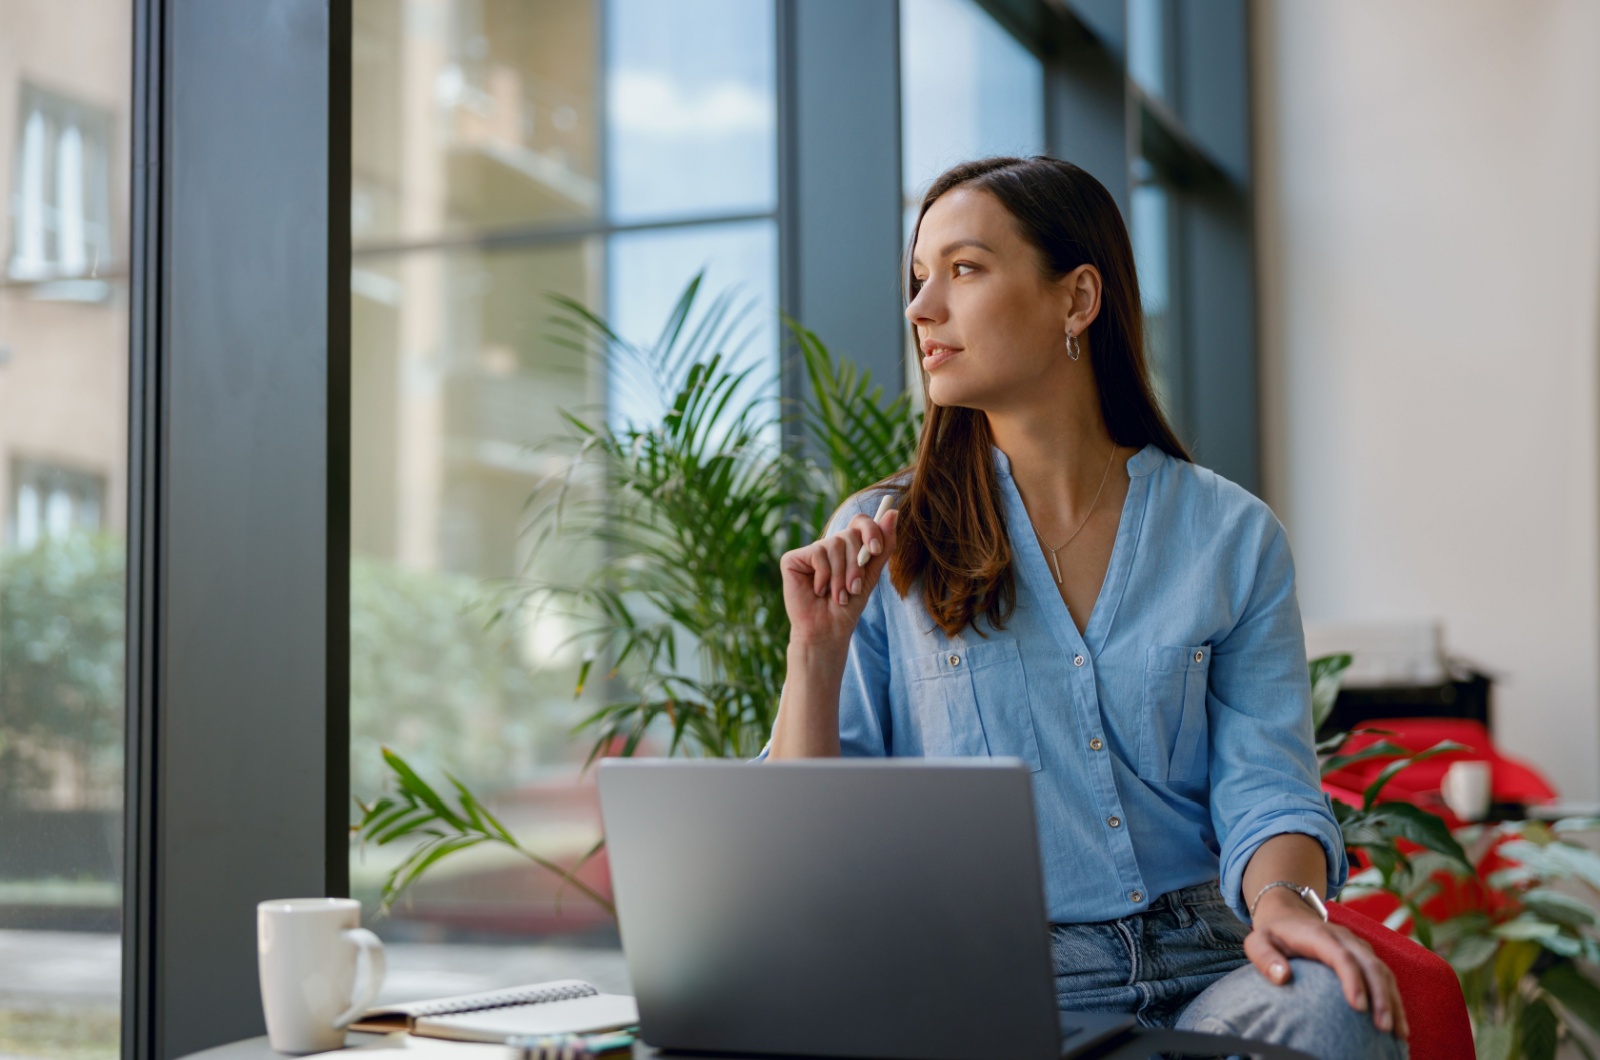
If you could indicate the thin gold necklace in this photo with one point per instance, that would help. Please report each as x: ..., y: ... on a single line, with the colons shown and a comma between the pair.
x: 1055, y: 563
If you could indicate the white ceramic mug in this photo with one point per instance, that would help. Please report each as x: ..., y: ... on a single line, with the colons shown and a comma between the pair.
x: 320, y: 969
x: 1466, y: 790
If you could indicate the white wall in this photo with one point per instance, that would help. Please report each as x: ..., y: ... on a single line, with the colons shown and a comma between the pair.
x: 1428, y: 180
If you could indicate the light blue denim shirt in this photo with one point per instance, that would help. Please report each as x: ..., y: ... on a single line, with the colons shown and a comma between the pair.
x: 1167, y: 742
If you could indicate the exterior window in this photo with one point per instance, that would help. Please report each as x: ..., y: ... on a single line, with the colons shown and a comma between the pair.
x: 63, y: 489
x: 999, y: 109
x: 60, y: 196
x: 49, y: 503
x: 1151, y: 230
x: 507, y: 150
x: 1148, y: 57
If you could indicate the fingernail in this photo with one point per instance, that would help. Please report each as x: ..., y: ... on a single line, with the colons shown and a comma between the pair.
x: 877, y: 546
x: 855, y: 586
x: 861, y: 557
x: 1277, y: 970
x: 1384, y: 1022
x: 844, y: 597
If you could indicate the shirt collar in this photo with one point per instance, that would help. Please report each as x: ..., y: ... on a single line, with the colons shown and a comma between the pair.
x: 1143, y: 462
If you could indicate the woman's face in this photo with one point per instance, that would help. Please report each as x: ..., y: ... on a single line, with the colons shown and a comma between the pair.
x: 991, y: 329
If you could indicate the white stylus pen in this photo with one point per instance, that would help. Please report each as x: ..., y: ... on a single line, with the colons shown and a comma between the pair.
x: 883, y: 506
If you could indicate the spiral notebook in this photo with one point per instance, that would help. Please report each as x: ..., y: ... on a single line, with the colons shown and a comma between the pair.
x: 565, y: 1006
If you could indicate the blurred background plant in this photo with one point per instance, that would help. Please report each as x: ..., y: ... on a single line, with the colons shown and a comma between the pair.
x: 61, y: 663
x: 1513, y: 906
x: 682, y: 620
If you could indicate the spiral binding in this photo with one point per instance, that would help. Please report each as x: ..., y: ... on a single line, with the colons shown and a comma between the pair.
x: 507, y: 998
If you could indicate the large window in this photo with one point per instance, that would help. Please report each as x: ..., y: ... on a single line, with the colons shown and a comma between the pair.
x: 64, y: 108
x: 968, y: 89
x: 605, y: 150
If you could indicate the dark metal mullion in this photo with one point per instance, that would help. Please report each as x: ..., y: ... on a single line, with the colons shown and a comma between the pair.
x: 840, y: 238
x: 141, y: 1038
x: 337, y: 659
x: 791, y: 368
x: 238, y: 500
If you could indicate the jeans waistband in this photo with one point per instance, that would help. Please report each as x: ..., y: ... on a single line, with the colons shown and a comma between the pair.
x: 1208, y: 890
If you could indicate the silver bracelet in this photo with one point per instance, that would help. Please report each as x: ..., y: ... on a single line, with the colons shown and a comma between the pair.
x: 1307, y: 895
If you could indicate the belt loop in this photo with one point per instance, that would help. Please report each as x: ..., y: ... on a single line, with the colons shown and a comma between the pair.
x: 1181, y: 909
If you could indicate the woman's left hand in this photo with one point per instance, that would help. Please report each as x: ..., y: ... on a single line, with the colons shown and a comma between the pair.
x: 1285, y: 926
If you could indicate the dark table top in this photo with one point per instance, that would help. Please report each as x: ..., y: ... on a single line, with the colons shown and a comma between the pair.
x: 1142, y: 1045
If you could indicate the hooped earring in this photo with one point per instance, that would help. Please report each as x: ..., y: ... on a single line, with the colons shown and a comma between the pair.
x: 1072, y: 346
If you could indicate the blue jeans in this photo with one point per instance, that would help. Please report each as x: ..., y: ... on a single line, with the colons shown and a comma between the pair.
x: 1181, y: 964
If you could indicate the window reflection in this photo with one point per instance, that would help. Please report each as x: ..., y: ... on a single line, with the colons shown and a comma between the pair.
x: 648, y: 270
x: 691, y: 108
x: 968, y: 89
x: 478, y: 192
x: 1147, y: 45
x: 1150, y: 230
x: 472, y: 114
x: 63, y: 480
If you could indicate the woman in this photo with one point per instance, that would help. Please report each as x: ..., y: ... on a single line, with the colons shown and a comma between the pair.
x: 1070, y: 588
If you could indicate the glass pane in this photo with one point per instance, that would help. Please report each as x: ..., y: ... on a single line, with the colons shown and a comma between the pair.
x: 1147, y: 44
x: 648, y: 270
x: 1151, y: 233
x: 63, y: 482
x: 472, y: 114
x: 457, y: 381
x: 968, y: 89
x: 692, y: 108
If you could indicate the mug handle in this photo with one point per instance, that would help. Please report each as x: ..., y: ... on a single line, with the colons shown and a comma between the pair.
x: 370, y: 969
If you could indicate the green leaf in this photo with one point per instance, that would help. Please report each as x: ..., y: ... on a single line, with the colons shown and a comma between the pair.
x: 1526, y: 927
x: 1472, y: 952
x: 1561, y: 908
x: 1537, y: 1029
x: 1576, y: 992
x: 1493, y: 1041
x: 1575, y: 824
x: 414, y: 785
x: 1514, y: 960
x: 1419, y: 826
x: 1326, y: 673
x: 1380, y: 749
x: 1442, y: 747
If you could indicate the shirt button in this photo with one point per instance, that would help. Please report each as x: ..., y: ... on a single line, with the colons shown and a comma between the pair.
x: 955, y: 660
x: 1115, y: 822
x: 1136, y: 896
x: 1199, y: 655
x: 1095, y: 744
x: 1077, y: 660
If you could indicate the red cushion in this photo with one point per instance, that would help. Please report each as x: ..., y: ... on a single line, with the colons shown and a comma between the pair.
x: 1511, y: 780
x: 1435, y: 1009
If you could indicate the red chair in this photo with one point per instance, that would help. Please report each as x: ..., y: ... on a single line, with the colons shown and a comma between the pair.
x: 1435, y: 1010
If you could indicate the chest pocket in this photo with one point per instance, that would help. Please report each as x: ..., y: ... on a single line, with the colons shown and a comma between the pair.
x: 1172, y: 743
x: 972, y: 699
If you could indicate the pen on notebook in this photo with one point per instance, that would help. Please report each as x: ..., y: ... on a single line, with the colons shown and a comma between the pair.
x: 883, y: 506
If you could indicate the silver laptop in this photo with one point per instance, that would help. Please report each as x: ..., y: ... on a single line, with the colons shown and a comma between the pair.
x: 884, y: 908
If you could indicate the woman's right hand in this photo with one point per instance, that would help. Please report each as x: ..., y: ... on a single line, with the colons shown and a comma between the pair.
x: 825, y: 588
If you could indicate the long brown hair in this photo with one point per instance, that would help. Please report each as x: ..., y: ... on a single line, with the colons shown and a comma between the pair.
x: 952, y: 529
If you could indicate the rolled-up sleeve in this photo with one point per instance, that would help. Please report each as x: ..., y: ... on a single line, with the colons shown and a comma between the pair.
x: 1263, y: 765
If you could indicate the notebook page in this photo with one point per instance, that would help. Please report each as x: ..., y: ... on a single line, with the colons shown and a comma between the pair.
x: 581, y: 1015
x: 401, y: 1016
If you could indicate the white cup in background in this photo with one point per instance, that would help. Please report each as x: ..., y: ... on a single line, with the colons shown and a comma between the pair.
x: 320, y: 969
x: 1465, y: 788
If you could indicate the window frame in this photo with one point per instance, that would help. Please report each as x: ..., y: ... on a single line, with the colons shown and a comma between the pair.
x: 237, y: 675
